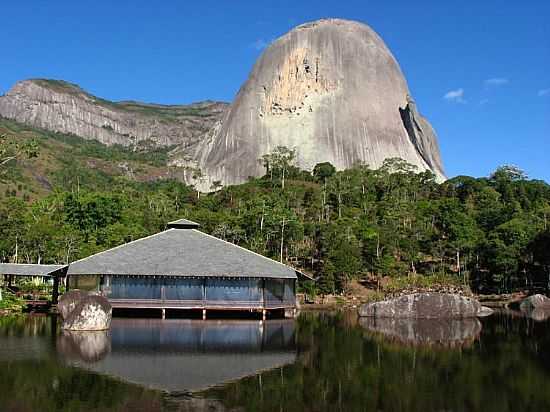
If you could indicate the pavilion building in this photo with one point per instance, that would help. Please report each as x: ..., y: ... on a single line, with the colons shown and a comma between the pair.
x: 184, y: 268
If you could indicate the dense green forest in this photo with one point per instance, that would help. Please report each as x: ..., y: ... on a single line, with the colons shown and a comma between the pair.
x: 365, y: 224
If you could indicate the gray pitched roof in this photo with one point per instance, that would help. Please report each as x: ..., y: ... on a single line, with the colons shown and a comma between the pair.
x: 181, y: 252
x: 18, y: 269
x: 174, y: 372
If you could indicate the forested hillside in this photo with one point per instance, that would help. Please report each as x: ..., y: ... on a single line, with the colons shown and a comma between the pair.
x: 65, y: 161
x: 359, y: 223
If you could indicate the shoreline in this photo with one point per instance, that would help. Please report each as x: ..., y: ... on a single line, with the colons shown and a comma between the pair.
x: 494, y: 301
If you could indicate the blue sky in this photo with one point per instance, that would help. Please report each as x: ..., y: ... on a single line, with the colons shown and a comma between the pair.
x: 479, y: 70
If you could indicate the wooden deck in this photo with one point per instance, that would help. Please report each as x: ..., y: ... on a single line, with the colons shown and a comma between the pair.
x: 199, y: 304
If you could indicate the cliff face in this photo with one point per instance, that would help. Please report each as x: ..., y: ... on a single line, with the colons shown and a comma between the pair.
x: 332, y: 90
x: 63, y: 107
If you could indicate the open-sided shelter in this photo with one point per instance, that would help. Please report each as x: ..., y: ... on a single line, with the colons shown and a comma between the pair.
x: 53, y: 272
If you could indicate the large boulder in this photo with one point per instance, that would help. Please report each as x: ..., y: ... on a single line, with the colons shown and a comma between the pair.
x: 426, y: 332
x: 68, y: 301
x: 91, y: 313
x: 535, y: 302
x: 537, y: 307
x: 424, y: 306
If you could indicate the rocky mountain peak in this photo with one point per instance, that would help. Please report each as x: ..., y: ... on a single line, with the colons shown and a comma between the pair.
x: 333, y: 91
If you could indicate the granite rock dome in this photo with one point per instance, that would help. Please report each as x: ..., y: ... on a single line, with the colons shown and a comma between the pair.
x: 332, y: 90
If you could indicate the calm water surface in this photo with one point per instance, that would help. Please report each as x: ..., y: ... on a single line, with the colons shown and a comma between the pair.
x: 319, y: 362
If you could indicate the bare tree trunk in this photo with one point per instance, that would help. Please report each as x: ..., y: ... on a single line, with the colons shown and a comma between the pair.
x: 282, y: 239
x: 16, y: 249
x: 262, y: 219
x: 458, y: 262
x: 324, y: 198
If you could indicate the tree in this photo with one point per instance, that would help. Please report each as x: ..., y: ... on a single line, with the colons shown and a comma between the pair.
x: 11, y: 149
x: 504, y: 250
x: 279, y: 162
x: 458, y: 228
x: 343, y: 254
x: 323, y: 171
x: 540, y: 248
x: 509, y: 173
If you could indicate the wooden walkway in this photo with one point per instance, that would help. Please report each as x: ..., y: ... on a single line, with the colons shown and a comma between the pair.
x: 204, y: 305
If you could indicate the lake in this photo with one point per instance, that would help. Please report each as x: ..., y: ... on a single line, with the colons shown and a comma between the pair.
x: 321, y: 361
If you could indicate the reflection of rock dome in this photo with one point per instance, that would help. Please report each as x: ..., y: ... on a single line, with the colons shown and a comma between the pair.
x: 185, y: 355
x: 331, y: 89
x: 426, y: 332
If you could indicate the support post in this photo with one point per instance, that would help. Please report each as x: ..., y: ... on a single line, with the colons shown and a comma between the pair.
x: 163, y: 314
x: 203, y: 292
x: 263, y: 300
x: 55, y: 291
x: 204, y: 314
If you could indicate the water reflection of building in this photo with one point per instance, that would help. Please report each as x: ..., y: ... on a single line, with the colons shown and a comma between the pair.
x: 176, y: 355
